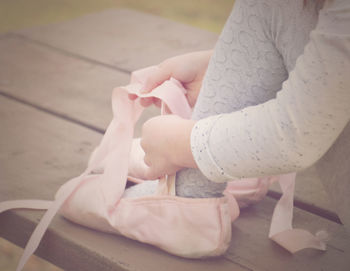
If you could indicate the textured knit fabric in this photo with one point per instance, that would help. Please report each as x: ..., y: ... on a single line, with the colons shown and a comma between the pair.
x: 293, y: 130
x: 252, y: 131
x: 246, y: 69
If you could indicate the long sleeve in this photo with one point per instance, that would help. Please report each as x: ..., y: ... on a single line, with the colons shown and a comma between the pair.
x: 293, y: 130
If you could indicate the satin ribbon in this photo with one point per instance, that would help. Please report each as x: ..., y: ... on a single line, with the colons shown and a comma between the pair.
x: 281, y: 230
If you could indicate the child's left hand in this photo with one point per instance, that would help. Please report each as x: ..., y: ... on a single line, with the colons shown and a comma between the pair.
x: 167, y: 145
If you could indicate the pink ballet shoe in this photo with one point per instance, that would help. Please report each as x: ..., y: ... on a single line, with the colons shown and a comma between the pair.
x: 187, y: 227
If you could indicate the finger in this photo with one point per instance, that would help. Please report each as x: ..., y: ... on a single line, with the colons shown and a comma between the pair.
x: 147, y: 161
x: 157, y: 103
x: 158, y: 77
x: 142, y: 144
x: 132, y: 96
x: 145, y: 102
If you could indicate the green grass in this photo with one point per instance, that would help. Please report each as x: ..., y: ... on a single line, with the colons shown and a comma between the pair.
x: 205, y: 14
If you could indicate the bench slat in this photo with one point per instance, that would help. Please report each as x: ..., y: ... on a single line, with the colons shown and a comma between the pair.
x: 61, y: 84
x: 48, y: 151
x: 81, y: 89
x: 123, y: 38
x: 39, y: 152
x: 251, y: 248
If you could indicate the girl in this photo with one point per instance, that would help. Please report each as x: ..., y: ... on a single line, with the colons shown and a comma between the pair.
x: 274, y: 98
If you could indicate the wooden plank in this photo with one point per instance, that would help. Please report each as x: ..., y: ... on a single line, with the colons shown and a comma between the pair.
x: 55, y: 81
x: 136, y: 40
x: 59, y: 83
x: 251, y: 247
x: 123, y: 38
x: 38, y: 153
x: 81, y: 90
x: 334, y: 172
x: 39, y: 150
x: 310, y: 194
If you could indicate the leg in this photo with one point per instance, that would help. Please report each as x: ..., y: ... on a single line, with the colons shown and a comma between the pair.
x: 246, y: 69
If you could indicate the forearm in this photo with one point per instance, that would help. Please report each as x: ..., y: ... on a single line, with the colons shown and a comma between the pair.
x: 179, y: 145
x: 292, y: 131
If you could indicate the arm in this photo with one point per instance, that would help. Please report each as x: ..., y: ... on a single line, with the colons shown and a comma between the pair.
x: 166, y: 142
x: 189, y: 69
x: 294, y: 130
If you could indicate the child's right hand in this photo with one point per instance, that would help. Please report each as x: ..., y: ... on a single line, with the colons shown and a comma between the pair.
x: 189, y: 69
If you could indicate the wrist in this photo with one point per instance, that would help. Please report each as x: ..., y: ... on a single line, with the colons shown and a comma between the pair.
x: 182, y: 155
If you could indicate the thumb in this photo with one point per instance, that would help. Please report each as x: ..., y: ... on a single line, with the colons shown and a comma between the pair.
x: 157, y: 78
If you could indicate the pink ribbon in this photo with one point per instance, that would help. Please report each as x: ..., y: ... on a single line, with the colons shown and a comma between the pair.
x: 281, y: 230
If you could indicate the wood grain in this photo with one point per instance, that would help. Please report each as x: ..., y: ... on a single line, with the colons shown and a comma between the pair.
x: 61, y: 84
x: 55, y: 88
x: 39, y: 152
x: 126, y: 39
x: 81, y: 90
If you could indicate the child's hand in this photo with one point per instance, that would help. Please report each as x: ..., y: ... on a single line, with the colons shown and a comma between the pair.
x: 189, y: 69
x: 166, y: 143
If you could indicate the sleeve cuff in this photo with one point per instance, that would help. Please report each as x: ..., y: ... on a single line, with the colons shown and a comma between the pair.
x: 200, y: 147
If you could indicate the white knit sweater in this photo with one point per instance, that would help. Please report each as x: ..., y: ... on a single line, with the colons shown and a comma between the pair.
x: 292, y: 130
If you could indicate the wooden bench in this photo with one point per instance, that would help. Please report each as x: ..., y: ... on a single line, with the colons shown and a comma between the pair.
x: 55, y: 88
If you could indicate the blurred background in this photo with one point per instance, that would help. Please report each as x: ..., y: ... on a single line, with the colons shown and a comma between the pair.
x: 205, y: 14
x: 15, y: 14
